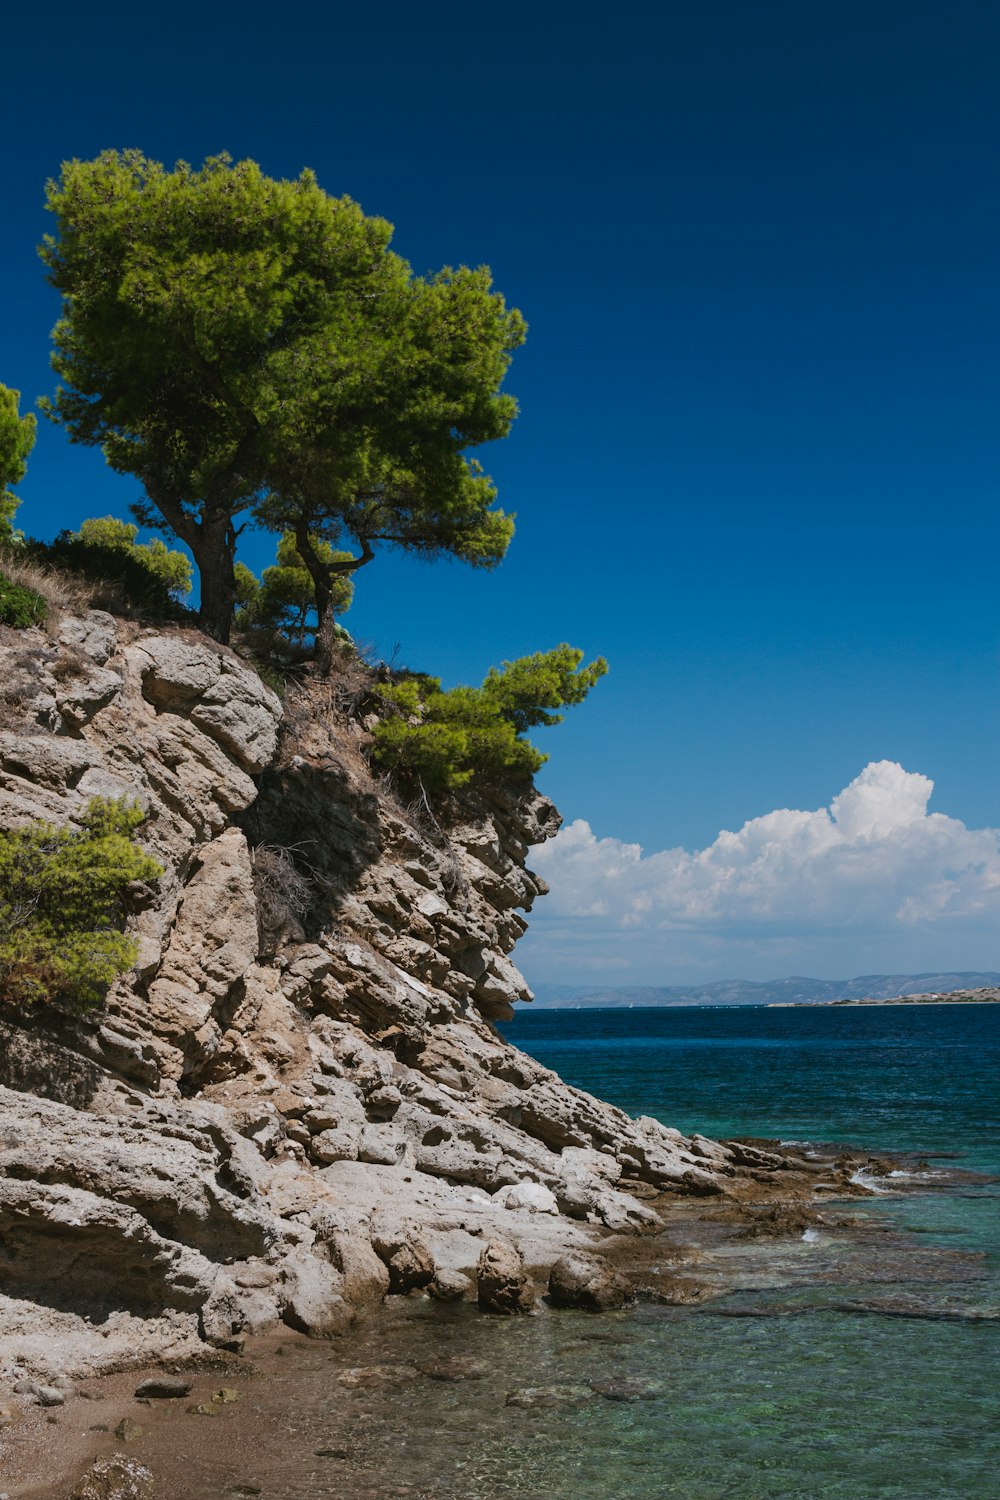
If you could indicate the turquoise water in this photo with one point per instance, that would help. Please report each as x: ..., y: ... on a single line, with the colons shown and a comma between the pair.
x: 857, y: 1367
x: 917, y: 1078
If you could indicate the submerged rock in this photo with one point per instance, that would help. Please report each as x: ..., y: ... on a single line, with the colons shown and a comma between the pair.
x: 535, y: 1397
x: 453, y: 1367
x: 629, y: 1388
x: 116, y: 1478
x: 377, y: 1377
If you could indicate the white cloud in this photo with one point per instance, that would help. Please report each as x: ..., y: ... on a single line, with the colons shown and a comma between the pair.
x: 874, y: 866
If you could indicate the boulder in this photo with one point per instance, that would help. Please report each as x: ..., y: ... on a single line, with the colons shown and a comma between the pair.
x: 587, y: 1282
x: 116, y: 1478
x: 312, y: 1297
x: 406, y: 1257
x: 502, y: 1284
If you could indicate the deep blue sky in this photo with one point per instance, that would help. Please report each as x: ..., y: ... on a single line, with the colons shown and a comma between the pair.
x: 757, y: 246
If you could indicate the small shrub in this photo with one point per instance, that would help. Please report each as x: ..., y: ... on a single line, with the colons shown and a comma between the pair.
x: 116, y: 578
x: 436, y: 742
x: 284, y: 895
x: 59, y: 589
x: 63, y: 905
x: 172, y: 568
x: 20, y: 606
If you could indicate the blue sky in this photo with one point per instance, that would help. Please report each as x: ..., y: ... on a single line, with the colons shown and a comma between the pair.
x: 756, y: 464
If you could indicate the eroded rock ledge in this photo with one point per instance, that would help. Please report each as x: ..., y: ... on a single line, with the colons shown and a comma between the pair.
x: 283, y: 1113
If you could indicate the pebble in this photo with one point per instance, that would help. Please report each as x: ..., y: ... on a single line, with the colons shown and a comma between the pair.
x: 532, y: 1397
x: 453, y: 1367
x: 628, y: 1388
x: 127, y: 1431
x: 162, y: 1387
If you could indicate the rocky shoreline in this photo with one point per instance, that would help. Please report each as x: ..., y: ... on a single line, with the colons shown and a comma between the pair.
x: 101, y: 1436
x: 299, y: 1103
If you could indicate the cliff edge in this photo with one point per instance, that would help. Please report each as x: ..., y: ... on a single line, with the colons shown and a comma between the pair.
x: 298, y: 1102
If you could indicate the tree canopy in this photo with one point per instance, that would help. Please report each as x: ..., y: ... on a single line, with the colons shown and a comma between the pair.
x: 284, y: 598
x: 435, y: 741
x: 171, y: 567
x: 17, y: 438
x: 243, y: 344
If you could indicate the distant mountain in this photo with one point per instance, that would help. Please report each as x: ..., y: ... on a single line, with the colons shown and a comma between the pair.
x: 761, y: 992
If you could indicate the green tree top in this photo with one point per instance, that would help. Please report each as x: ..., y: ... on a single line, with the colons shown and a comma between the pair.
x: 285, y: 597
x: 17, y: 438
x: 438, y: 741
x: 236, y: 341
x: 171, y: 567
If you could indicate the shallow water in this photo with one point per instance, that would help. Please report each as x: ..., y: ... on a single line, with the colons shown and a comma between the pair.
x: 857, y: 1367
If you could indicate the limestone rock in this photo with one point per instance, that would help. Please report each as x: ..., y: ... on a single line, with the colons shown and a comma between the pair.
x: 501, y: 1283
x: 407, y: 1259
x: 587, y: 1282
x: 115, y: 1478
x: 284, y: 1121
x: 533, y: 1196
x: 217, y: 692
x: 312, y: 1297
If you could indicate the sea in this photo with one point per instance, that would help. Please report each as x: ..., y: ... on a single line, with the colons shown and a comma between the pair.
x: 857, y: 1367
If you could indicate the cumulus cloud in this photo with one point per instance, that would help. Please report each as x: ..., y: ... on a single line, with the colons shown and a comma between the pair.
x: 875, y: 861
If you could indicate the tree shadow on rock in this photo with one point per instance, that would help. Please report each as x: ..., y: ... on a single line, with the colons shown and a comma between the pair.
x: 313, y: 832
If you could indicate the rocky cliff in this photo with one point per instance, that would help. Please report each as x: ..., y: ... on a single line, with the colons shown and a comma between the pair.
x: 298, y: 1102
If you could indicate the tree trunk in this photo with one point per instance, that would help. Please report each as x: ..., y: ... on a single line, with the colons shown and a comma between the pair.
x: 213, y: 545
x: 326, y: 633
x: 214, y: 555
x: 319, y: 572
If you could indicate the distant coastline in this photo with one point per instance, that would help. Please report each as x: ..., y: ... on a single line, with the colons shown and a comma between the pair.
x: 954, y: 997
x: 865, y: 989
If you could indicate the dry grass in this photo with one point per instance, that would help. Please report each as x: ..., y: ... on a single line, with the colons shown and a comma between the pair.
x: 61, y: 591
x: 284, y: 895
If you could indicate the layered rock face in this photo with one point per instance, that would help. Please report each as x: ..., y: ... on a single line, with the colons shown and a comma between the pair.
x: 299, y: 1101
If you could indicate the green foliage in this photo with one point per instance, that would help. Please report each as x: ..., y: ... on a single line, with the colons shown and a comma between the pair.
x: 62, y: 905
x: 284, y: 599
x: 439, y: 741
x: 172, y: 568
x: 130, y: 577
x: 20, y: 606
x: 236, y: 341
x: 17, y: 438
x: 528, y: 690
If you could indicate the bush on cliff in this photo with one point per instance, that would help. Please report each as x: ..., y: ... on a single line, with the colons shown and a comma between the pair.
x: 118, y: 578
x: 172, y: 567
x: 20, y: 606
x: 435, y: 741
x: 63, y: 903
